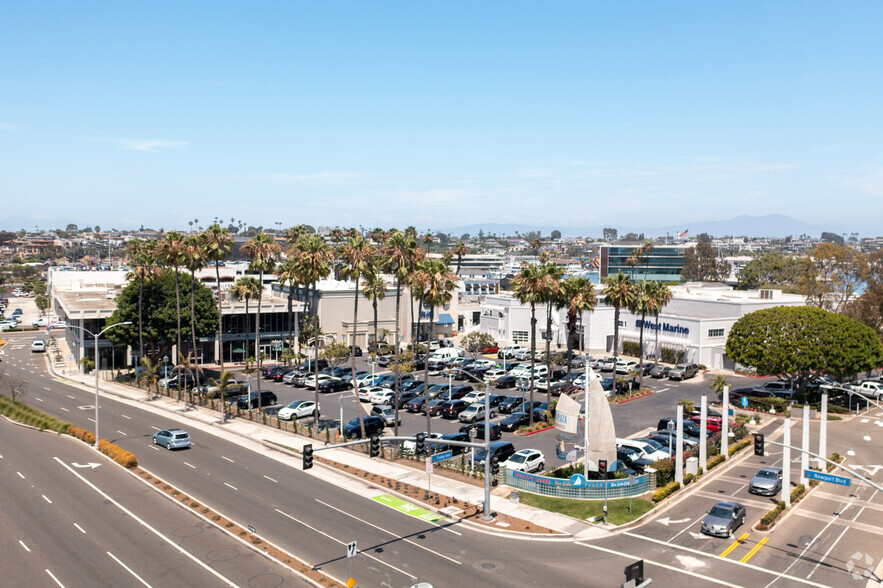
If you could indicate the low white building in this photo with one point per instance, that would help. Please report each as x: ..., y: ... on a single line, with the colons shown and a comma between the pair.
x: 696, y: 323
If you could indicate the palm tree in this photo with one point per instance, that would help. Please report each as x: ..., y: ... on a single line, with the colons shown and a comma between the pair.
x: 641, y: 304
x: 194, y: 259
x: 357, y: 254
x: 618, y: 293
x: 217, y: 243
x: 577, y: 295
x: 287, y: 273
x: 246, y: 288
x: 718, y: 384
x: 223, y: 382
x: 529, y: 287
x: 141, y: 256
x: 661, y: 295
x: 439, y: 282
x: 374, y: 289
x: 460, y: 250
x: 263, y: 251
x: 171, y: 250
x: 554, y: 273
x: 398, y: 257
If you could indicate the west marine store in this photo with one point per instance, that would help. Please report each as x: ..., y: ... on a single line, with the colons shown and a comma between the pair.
x: 698, y: 320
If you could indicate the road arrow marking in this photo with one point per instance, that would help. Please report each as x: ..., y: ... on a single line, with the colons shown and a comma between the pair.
x: 86, y: 465
x: 696, y: 535
x: 667, y: 521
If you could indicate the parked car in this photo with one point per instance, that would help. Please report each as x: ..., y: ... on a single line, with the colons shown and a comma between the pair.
x: 633, y: 458
x: 683, y: 371
x: 403, y: 399
x: 625, y: 366
x: 767, y: 482
x: 607, y: 364
x: 439, y: 446
x: 451, y: 409
x: 373, y: 426
x: 723, y: 519
x: 368, y: 391
x: 410, y: 447
x: 777, y: 389
x: 233, y: 388
x: 387, y: 413
x: 510, y: 404
x: 503, y: 450
x: 509, y: 351
x: 659, y: 371
x: 279, y: 375
x: 644, y: 448
x: 297, y: 409
x: 435, y: 407
x: 656, y: 445
x: 496, y: 400
x: 356, y: 350
x: 334, y: 385
x: 669, y: 439
x: 690, y: 428
x: 515, y: 420
x: 490, y: 349
x: 526, y: 460
x: 473, y: 413
x: 476, y: 431
x: 172, y: 439
x: 267, y: 398
x: 415, y: 404
x: 712, y: 423
x: 506, y: 382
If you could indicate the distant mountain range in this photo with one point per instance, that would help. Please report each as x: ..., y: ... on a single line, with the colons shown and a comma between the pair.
x: 771, y: 225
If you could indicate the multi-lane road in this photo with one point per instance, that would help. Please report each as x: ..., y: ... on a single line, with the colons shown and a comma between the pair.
x: 313, y: 519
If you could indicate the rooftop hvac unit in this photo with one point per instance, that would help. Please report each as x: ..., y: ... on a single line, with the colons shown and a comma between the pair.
x: 766, y: 294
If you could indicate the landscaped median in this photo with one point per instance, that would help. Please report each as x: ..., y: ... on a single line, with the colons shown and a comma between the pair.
x: 769, y: 520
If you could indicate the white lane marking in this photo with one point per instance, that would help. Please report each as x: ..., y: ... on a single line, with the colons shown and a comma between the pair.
x: 22, y: 476
x: 687, y: 528
x: 143, y: 523
x: 234, y: 487
x: 734, y: 493
x: 38, y: 399
x: 46, y: 388
x: 389, y: 532
x: 194, y: 467
x: 720, y: 560
x: 128, y: 569
x: 336, y: 540
x: 227, y: 458
x: 153, y: 446
x: 72, y: 398
x: 271, y: 479
x: 126, y: 417
x: 28, y: 549
x: 93, y: 420
x: 836, y: 541
x: 51, y: 575
x: 80, y: 528
x: 656, y: 563
x: 158, y: 429
x: 66, y: 410
x: 122, y: 433
x: 50, y: 502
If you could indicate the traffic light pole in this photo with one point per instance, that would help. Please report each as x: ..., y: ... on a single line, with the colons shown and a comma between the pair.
x: 826, y: 460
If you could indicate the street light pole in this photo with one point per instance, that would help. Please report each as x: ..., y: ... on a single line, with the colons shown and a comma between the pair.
x: 487, y: 446
x: 97, y: 364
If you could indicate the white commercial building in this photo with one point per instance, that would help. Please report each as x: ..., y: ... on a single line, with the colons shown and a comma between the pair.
x: 695, y: 323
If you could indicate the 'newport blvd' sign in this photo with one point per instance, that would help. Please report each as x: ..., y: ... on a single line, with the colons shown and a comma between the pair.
x: 665, y: 327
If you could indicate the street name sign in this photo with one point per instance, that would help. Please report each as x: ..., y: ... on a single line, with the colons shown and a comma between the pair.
x: 823, y: 477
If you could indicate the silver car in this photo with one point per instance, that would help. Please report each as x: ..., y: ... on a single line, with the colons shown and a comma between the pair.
x: 723, y: 519
x: 172, y: 439
x: 767, y: 482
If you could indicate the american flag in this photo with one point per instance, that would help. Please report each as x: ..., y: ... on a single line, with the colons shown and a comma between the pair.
x: 684, y: 234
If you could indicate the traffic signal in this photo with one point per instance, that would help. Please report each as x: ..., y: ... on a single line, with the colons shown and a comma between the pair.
x: 495, y: 469
x: 308, y: 456
x: 421, y: 443
x: 758, y: 444
x: 602, y: 468
x: 375, y: 446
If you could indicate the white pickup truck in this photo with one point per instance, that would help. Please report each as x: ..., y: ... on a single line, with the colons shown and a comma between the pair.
x: 868, y: 388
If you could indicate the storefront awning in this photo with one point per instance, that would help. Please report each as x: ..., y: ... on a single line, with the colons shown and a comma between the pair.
x: 444, y: 319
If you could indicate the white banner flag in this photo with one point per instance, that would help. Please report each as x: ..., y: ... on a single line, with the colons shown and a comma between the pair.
x: 567, y: 414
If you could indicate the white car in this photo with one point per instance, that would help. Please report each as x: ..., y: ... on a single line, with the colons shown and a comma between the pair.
x: 526, y: 460
x: 310, y: 381
x: 410, y: 446
x: 624, y: 366
x: 606, y: 364
x: 363, y: 379
x: 482, y: 363
x: 366, y: 393
x: 491, y: 375
x: 646, y: 449
x: 384, y: 397
x: 474, y: 397
x: 39, y: 345
x: 298, y: 409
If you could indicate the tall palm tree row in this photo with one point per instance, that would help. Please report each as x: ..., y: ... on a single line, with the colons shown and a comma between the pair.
x: 529, y: 287
x: 661, y: 295
x: 287, y: 273
x: 217, y: 243
x: 142, y: 258
x: 551, y: 293
x: 641, y: 304
x: 357, y: 255
x: 438, y: 282
x: 618, y: 293
x: 194, y: 260
x: 246, y: 288
x: 263, y: 251
x: 577, y: 295
x: 171, y: 254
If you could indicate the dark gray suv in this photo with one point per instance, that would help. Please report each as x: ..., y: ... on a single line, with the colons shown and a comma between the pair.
x: 682, y: 371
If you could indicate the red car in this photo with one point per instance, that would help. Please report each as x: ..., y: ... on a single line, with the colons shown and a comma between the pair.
x: 712, y: 422
x: 492, y: 349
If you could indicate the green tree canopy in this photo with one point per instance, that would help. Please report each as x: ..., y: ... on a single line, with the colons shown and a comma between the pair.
x: 475, y: 342
x: 159, y: 314
x: 802, y: 342
x: 771, y: 269
x: 701, y: 265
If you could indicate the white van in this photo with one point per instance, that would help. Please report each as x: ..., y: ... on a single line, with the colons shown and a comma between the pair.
x: 646, y: 450
x: 442, y: 357
x: 38, y: 346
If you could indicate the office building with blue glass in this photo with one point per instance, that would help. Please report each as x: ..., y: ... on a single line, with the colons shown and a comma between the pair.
x: 662, y: 263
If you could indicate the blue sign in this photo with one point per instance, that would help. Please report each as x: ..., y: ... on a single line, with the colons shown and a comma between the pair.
x: 578, y: 481
x: 570, y: 482
x: 437, y: 457
x: 744, y: 402
x: 730, y: 412
x: 823, y: 477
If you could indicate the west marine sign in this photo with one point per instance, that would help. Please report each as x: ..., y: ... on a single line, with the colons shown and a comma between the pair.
x: 666, y: 327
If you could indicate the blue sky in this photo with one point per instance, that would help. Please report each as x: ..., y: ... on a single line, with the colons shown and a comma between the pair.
x: 441, y: 114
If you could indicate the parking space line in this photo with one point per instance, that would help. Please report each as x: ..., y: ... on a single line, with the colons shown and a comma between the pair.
x: 735, y: 544
x: 754, y: 550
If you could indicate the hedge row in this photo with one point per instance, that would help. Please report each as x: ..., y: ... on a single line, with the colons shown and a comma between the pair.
x: 739, y: 446
x: 119, y: 455
x: 666, y: 491
x: 24, y: 413
x: 769, y: 518
x: 797, y: 493
x: 81, y: 434
x: 715, y: 461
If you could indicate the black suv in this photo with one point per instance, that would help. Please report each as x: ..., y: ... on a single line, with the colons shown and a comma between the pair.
x: 373, y: 426
x: 438, y: 447
x: 477, y: 431
x: 452, y: 408
x: 267, y: 399
x: 690, y: 428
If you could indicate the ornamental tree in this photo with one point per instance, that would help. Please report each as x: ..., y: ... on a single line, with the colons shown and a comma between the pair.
x: 476, y: 342
x: 802, y: 343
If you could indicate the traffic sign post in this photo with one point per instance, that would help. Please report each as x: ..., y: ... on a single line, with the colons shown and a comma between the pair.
x: 351, y: 551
